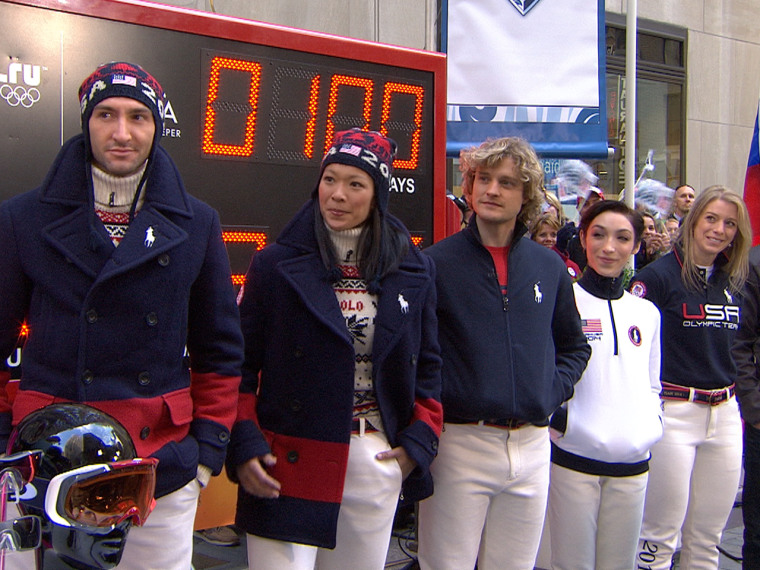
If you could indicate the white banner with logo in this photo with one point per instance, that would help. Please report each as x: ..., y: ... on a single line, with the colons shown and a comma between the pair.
x: 533, y: 68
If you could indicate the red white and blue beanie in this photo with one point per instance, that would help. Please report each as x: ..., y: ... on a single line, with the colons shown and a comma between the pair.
x: 369, y: 151
x: 122, y: 79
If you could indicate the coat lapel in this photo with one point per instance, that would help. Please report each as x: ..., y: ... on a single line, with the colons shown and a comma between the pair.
x: 317, y: 294
x: 70, y: 236
x: 401, y: 298
x: 149, y: 235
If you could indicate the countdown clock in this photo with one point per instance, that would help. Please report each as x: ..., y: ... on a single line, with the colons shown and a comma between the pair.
x: 252, y: 107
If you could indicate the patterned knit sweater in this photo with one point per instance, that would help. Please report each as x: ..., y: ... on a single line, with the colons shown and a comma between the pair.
x: 359, y: 308
x: 113, y: 199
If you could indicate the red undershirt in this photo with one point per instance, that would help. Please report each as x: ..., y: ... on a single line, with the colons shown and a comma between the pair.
x: 499, y: 255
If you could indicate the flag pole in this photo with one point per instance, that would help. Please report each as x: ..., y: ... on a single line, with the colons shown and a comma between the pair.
x: 630, y: 101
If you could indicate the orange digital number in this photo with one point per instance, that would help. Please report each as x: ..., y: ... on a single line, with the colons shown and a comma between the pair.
x: 336, y: 83
x: 208, y: 145
x: 418, y: 93
x: 259, y: 239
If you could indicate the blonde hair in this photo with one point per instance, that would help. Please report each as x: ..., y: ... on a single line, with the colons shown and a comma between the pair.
x: 543, y: 220
x: 490, y: 153
x: 737, y: 252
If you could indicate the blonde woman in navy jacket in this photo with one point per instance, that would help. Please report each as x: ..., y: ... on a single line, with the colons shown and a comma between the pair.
x: 601, y: 457
x: 340, y: 398
x: 694, y: 470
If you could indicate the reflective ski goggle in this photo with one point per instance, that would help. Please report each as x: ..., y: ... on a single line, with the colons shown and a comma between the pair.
x: 23, y: 533
x: 25, y: 463
x: 104, y: 494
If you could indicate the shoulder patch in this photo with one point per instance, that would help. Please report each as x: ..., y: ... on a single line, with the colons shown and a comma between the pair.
x: 639, y: 289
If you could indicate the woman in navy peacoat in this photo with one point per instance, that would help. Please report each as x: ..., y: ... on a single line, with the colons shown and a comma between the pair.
x: 297, y: 394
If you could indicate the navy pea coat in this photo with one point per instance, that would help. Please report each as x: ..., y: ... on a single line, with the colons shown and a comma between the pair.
x: 108, y: 326
x: 296, y: 397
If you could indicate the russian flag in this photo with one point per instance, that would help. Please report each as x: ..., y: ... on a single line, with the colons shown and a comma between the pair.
x: 752, y: 185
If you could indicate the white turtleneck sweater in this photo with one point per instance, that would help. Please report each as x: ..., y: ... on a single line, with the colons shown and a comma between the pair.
x: 113, y: 200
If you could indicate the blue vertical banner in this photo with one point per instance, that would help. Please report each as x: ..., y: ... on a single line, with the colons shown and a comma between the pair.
x: 529, y: 68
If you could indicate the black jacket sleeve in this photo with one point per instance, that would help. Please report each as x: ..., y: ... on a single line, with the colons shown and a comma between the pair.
x: 747, y: 344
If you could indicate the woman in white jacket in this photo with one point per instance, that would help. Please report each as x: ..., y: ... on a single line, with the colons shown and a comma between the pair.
x: 602, y: 436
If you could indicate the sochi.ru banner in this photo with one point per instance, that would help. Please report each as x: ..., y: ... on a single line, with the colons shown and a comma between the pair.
x: 533, y: 68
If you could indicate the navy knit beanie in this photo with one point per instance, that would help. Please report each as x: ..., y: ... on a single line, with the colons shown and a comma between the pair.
x: 122, y: 79
x: 369, y: 151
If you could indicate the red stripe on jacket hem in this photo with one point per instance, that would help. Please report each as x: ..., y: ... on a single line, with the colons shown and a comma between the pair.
x: 151, y: 422
x: 307, y: 468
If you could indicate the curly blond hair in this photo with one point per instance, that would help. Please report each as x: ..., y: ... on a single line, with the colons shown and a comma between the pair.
x: 490, y: 154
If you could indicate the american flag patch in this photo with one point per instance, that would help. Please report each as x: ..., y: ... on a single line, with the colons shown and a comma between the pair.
x: 591, y: 326
x: 351, y: 149
x: 124, y: 80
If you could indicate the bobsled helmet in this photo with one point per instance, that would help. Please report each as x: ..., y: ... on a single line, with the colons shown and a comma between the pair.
x: 89, y: 487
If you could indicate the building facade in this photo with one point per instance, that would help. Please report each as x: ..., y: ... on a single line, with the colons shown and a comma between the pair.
x: 697, y: 90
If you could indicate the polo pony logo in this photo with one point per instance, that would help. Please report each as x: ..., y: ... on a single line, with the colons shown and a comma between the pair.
x: 523, y: 6
x: 403, y: 303
x: 149, y: 237
x: 538, y: 296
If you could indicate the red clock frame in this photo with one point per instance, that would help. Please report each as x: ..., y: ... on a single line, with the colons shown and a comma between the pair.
x: 340, y: 82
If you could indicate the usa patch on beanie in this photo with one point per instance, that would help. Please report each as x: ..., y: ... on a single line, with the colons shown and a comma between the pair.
x: 122, y: 79
x: 369, y: 151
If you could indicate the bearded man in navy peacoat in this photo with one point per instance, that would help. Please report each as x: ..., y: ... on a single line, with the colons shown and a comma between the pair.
x: 115, y: 290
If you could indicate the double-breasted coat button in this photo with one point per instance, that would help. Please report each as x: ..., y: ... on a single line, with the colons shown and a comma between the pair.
x: 434, y: 445
x: 144, y: 432
x: 292, y: 456
x: 143, y: 378
x: 413, y: 360
x: 296, y: 405
x: 87, y: 377
x: 224, y: 437
x: 91, y: 316
x: 152, y: 319
x: 163, y: 259
x: 298, y: 352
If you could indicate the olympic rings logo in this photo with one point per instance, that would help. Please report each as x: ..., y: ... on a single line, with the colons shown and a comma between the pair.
x: 19, y: 95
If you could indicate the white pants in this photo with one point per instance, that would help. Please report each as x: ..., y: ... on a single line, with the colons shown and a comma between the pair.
x: 165, y: 542
x: 489, y: 501
x: 693, y: 478
x: 365, y: 520
x: 594, y: 521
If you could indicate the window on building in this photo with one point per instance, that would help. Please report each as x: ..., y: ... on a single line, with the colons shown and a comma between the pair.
x: 660, y: 110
